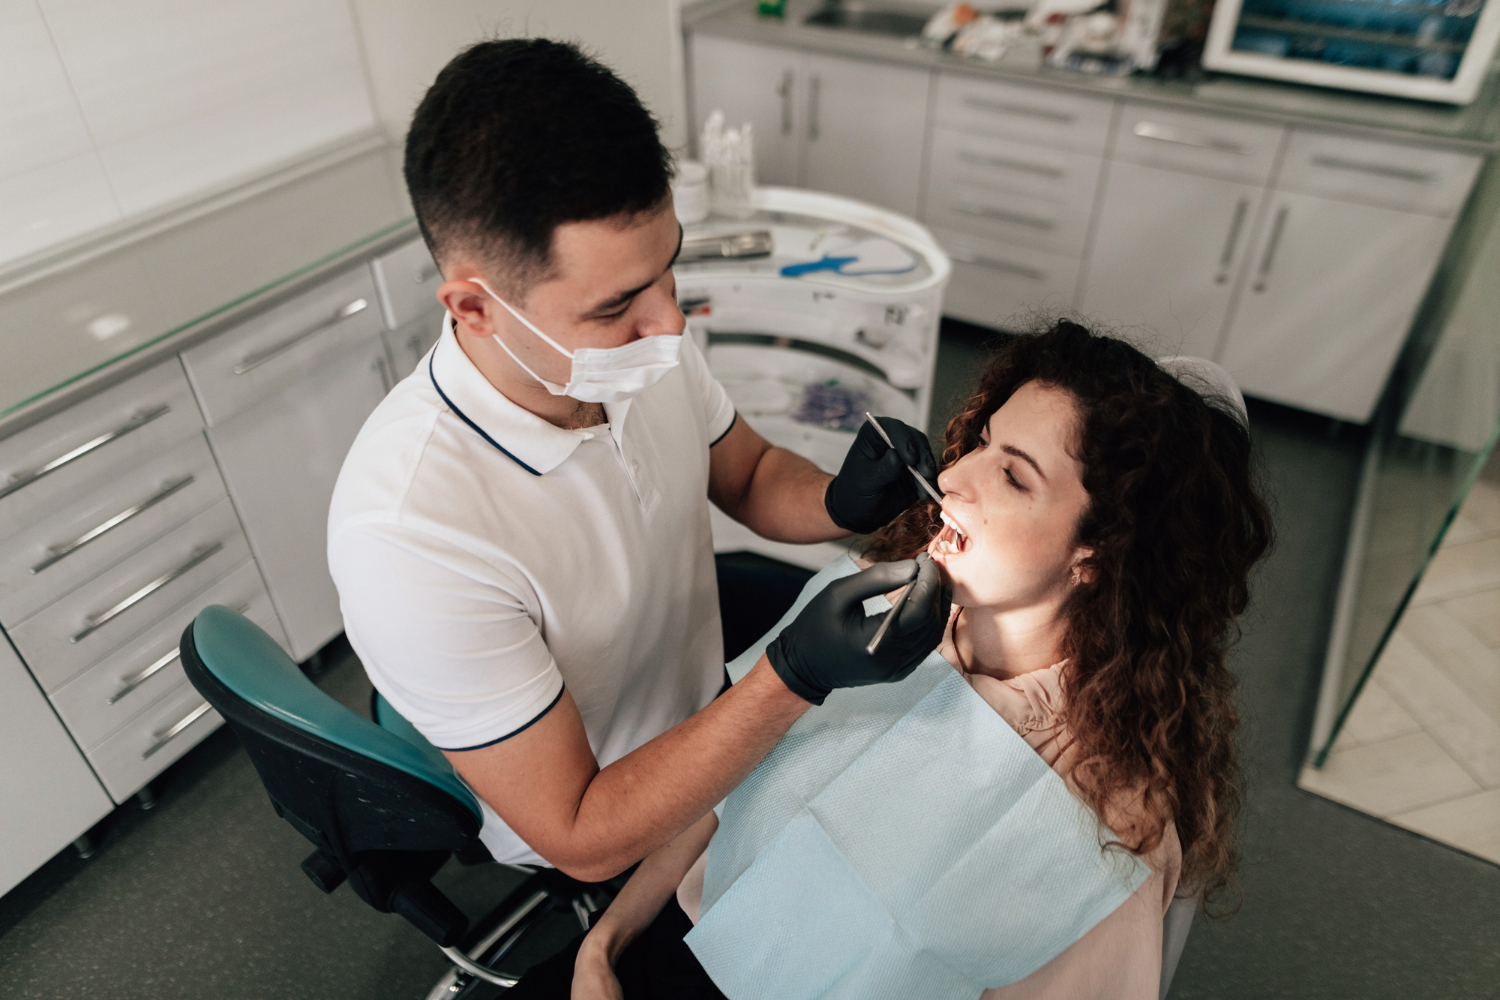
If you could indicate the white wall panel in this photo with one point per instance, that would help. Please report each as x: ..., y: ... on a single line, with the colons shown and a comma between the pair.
x: 181, y: 96
x: 52, y: 186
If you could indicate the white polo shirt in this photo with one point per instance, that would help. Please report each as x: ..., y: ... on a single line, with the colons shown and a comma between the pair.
x: 486, y: 558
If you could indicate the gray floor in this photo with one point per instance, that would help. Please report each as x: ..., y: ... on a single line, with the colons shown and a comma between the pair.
x: 202, y: 896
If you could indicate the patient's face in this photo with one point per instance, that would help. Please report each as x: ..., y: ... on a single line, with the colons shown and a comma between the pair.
x: 1017, y: 499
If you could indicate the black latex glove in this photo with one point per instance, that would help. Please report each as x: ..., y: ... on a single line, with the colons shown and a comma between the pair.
x: 873, y: 486
x: 824, y: 647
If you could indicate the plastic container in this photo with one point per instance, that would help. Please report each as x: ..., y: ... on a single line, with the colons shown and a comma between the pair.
x: 690, y: 192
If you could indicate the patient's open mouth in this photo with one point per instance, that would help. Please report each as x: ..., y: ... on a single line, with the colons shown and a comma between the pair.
x: 951, y: 541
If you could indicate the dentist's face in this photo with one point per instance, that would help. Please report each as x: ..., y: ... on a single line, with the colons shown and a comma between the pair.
x: 611, y: 283
x: 1017, y: 500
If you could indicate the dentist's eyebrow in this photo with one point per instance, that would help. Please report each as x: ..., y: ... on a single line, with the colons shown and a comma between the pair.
x: 611, y: 304
x: 1011, y: 449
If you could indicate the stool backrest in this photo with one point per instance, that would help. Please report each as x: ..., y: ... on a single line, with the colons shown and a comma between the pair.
x: 381, y: 812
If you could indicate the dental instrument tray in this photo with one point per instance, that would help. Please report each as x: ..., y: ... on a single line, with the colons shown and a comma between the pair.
x: 726, y: 246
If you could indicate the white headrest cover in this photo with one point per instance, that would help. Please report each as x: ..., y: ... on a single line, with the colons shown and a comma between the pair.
x: 1210, y: 381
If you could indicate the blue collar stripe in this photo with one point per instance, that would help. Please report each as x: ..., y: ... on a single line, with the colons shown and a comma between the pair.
x: 465, y: 418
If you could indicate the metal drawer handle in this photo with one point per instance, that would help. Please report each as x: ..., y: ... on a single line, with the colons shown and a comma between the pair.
x: 988, y: 212
x: 982, y: 160
x: 256, y: 360
x: 1269, y: 257
x: 1378, y: 169
x: 165, y: 736
x: 135, y: 423
x: 94, y: 621
x: 56, y: 553
x: 1241, y: 209
x: 784, y: 91
x: 1046, y: 114
x: 814, y: 97
x: 997, y: 264
x: 1182, y: 137
x: 137, y: 679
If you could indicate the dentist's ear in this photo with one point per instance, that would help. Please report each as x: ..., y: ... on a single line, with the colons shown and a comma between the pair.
x: 474, y: 310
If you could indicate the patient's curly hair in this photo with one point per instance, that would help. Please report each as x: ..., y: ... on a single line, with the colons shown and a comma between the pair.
x: 1175, y: 522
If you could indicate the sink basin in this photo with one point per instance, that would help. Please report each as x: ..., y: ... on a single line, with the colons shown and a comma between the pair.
x: 869, y: 18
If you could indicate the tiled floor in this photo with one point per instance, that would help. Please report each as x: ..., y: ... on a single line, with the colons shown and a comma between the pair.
x: 1421, y: 748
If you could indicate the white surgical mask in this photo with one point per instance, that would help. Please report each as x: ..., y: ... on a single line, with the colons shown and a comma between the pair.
x: 602, y: 374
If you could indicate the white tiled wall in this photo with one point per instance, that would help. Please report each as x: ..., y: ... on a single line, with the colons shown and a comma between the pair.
x: 113, y: 108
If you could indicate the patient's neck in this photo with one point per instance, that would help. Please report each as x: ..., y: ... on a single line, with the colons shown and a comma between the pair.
x: 1006, y: 643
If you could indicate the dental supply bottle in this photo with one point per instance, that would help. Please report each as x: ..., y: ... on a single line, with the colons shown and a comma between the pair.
x: 729, y: 155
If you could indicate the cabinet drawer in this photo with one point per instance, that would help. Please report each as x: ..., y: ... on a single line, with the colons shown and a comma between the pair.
x: 245, y: 364
x: 51, y: 463
x: 111, y: 692
x: 46, y: 560
x: 146, y: 745
x: 410, y: 344
x: 1028, y: 114
x: 1229, y: 148
x: 1391, y: 175
x: 120, y: 603
x: 1009, y: 191
x: 407, y: 279
x: 1004, y: 286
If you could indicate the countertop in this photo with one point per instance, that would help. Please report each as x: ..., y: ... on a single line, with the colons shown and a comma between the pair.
x: 1475, y: 127
x: 74, y: 325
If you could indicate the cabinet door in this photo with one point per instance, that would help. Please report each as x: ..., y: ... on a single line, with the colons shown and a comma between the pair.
x: 755, y: 84
x: 280, y: 459
x: 1166, y: 251
x: 48, y: 795
x: 1328, y: 300
x: 865, y: 127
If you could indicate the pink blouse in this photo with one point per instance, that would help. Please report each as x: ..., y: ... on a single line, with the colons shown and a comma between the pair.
x: 1120, y: 957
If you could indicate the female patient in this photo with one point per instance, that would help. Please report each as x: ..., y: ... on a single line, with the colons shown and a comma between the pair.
x: 1101, y: 524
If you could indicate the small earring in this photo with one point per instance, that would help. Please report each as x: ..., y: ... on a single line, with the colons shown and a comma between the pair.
x: 1076, y: 578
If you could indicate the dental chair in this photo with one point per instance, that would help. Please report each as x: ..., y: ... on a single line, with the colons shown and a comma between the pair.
x: 381, y: 806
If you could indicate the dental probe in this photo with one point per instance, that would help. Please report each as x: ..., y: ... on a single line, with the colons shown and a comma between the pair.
x: 890, y: 616
x: 921, y: 480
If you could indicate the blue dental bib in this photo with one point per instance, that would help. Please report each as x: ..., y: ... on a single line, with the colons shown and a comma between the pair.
x: 901, y: 841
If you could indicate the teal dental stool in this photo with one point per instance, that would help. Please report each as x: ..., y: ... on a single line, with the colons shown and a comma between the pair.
x: 382, y: 807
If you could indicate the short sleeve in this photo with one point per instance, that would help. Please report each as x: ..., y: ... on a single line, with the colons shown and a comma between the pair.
x: 458, y: 654
x: 718, y: 410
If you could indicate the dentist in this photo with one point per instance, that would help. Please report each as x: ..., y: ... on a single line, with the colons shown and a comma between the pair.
x: 520, y: 533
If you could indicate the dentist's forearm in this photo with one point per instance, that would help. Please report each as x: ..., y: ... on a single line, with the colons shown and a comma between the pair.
x: 784, y: 500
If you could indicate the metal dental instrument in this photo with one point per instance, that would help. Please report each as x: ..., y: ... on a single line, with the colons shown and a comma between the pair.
x: 890, y: 617
x: 921, y: 480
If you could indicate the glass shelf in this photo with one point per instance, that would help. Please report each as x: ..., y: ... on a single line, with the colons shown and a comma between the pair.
x: 77, y: 319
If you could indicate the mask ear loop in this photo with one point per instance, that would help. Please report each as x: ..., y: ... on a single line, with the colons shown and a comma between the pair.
x: 551, y: 387
x: 560, y: 349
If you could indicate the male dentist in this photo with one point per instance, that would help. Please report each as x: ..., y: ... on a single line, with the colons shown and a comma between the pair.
x: 520, y: 533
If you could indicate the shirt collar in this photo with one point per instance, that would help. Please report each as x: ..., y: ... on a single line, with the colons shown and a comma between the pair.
x: 528, y: 440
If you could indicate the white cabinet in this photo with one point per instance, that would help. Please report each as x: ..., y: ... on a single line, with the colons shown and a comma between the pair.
x: 1011, y: 180
x: 284, y: 396
x: 845, y: 126
x: 280, y: 459
x: 759, y: 85
x: 1167, y: 251
x: 1331, y: 293
x: 48, y: 795
x: 865, y: 123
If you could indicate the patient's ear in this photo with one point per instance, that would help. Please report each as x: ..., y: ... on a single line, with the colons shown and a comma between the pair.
x: 1083, y: 566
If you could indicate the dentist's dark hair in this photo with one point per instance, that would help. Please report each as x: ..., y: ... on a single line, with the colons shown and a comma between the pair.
x: 1176, y: 522
x: 519, y: 136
